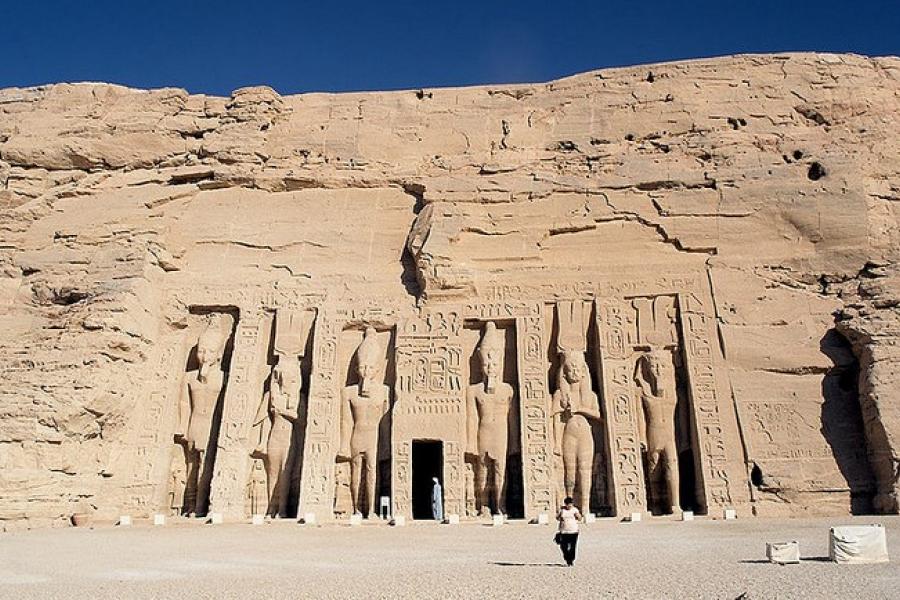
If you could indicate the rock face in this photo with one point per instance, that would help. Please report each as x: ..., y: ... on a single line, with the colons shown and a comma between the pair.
x: 187, y: 280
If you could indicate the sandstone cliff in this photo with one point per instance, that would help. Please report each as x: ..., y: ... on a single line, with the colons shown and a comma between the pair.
x: 778, y: 177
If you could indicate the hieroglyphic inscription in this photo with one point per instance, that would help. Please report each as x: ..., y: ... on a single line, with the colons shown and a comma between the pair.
x: 146, y: 463
x: 245, y: 381
x: 614, y: 326
x: 401, y: 487
x: 429, y: 401
x: 317, y: 478
x: 696, y: 331
x: 537, y: 445
x: 454, y: 480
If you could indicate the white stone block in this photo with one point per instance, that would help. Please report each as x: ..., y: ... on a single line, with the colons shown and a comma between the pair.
x: 687, y: 515
x: 858, y: 544
x: 730, y: 514
x: 543, y: 519
x: 216, y: 518
x: 452, y: 519
x: 124, y: 521
x: 258, y: 519
x: 497, y: 520
x: 399, y: 521
x: 309, y: 518
x: 355, y: 519
x: 159, y: 519
x: 783, y: 553
x: 590, y: 518
x: 635, y: 517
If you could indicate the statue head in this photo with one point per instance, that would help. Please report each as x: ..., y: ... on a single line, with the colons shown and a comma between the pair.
x: 574, y: 367
x: 368, y: 357
x: 211, y: 344
x: 658, y: 368
x: 490, y: 351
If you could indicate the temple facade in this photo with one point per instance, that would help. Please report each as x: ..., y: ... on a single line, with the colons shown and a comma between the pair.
x: 552, y: 435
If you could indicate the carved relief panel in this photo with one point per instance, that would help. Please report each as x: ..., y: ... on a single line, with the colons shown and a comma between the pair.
x: 615, y: 327
x: 429, y: 405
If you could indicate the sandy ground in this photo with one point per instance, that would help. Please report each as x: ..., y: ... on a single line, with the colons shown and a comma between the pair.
x: 655, y: 559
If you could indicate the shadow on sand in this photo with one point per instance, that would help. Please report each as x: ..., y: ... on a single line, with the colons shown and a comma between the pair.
x: 765, y: 561
x: 521, y: 564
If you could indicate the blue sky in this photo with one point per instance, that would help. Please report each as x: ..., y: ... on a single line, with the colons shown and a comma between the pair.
x: 215, y: 47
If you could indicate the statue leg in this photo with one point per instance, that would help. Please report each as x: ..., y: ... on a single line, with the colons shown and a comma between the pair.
x: 481, y: 474
x: 191, y: 479
x: 585, y: 466
x: 672, y: 478
x: 281, y: 485
x: 371, y: 472
x: 653, y: 476
x: 284, y: 487
x: 570, y: 462
x: 356, y: 465
x: 499, y: 481
x: 203, y: 483
x: 271, y: 484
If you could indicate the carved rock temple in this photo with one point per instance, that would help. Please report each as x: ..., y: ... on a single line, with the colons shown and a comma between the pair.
x: 661, y: 288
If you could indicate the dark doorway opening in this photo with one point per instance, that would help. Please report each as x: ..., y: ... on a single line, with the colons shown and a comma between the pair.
x: 427, y: 462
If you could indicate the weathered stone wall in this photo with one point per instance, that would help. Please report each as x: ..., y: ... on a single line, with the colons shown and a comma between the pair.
x: 761, y: 193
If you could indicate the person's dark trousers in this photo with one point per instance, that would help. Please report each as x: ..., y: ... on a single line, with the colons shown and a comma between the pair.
x: 569, y: 540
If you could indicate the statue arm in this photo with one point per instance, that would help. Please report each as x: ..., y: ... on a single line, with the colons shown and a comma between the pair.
x: 642, y: 418
x: 346, y: 425
x: 290, y: 415
x: 591, y: 408
x: 262, y: 411
x: 515, y: 446
x: 558, y: 425
x: 471, y: 422
x: 265, y: 424
x: 184, y: 411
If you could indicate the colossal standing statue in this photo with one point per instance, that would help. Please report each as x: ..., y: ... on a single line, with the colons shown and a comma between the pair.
x: 575, y: 406
x: 362, y: 407
x: 197, y: 406
x: 277, y: 415
x: 655, y: 376
x: 488, y: 406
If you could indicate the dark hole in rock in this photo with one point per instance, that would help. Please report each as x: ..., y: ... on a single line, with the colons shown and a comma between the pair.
x: 650, y: 77
x: 629, y: 137
x: 67, y: 296
x: 816, y: 171
x: 756, y: 476
x: 798, y: 154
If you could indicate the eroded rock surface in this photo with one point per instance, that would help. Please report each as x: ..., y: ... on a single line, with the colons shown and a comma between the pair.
x: 739, y: 214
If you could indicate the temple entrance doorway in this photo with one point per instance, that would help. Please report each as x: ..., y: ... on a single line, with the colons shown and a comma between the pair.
x: 427, y: 462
